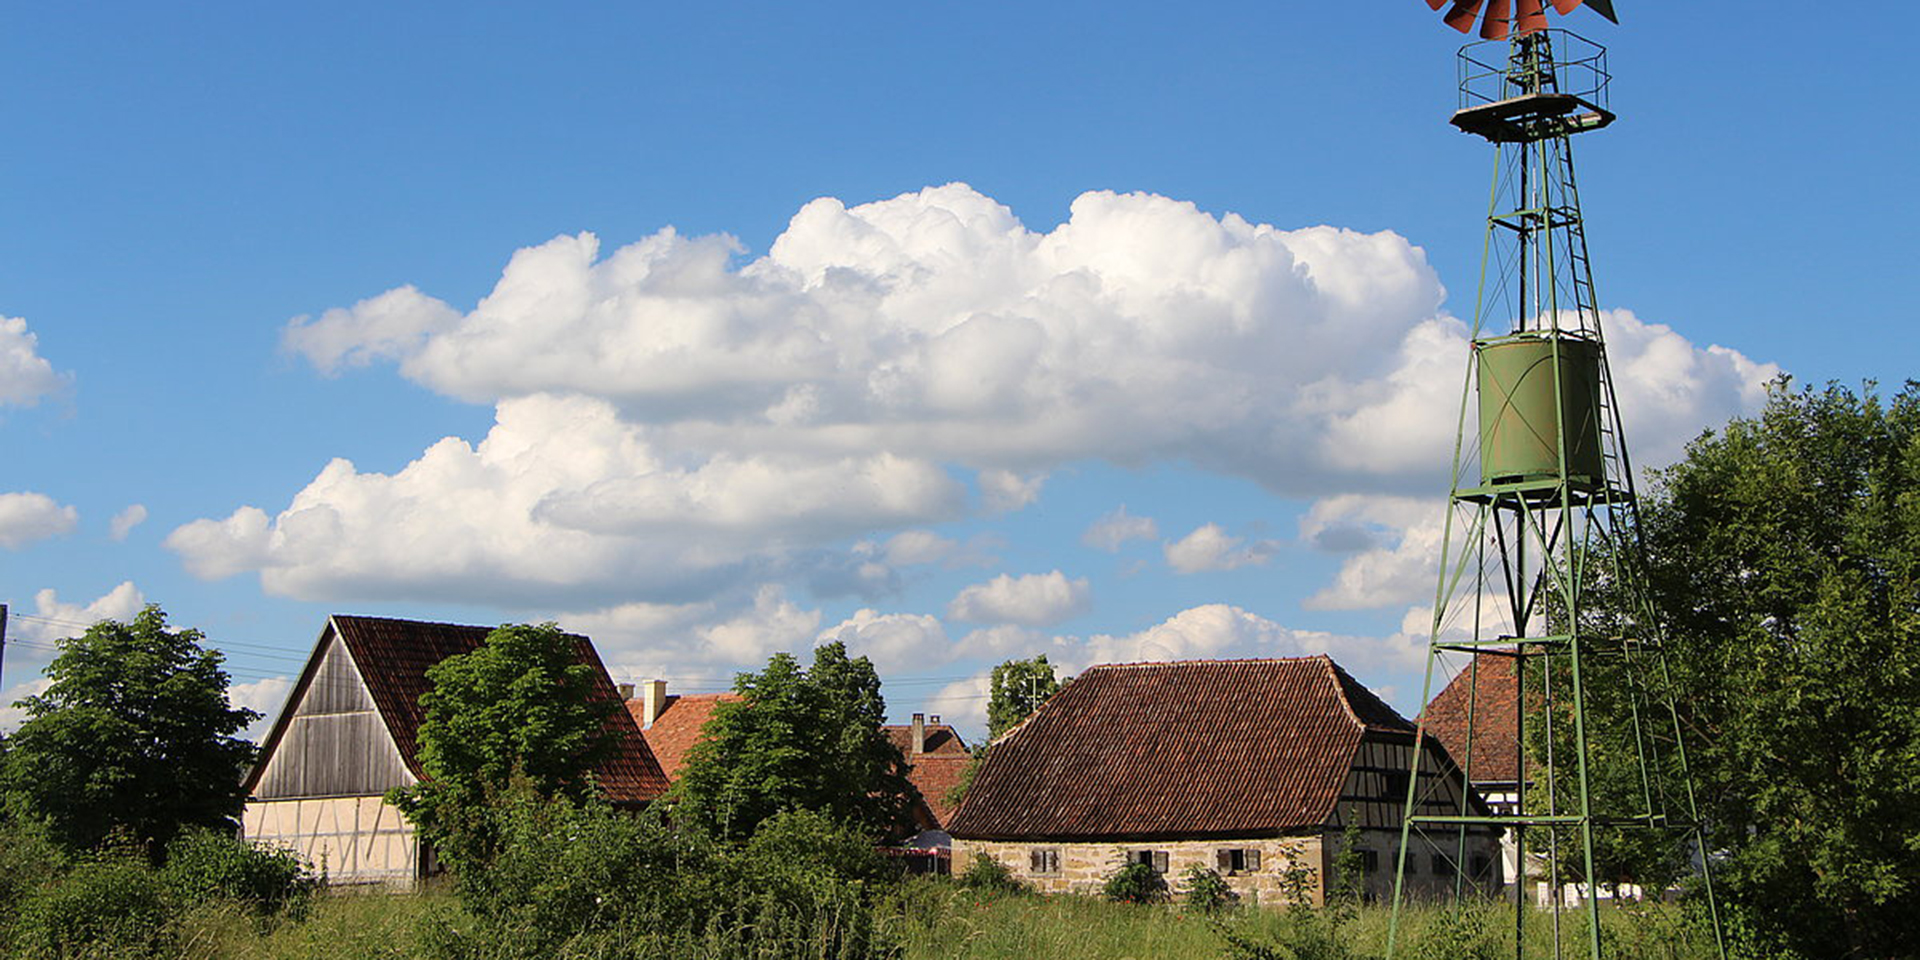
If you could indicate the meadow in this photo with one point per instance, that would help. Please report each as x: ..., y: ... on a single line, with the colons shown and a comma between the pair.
x: 931, y: 919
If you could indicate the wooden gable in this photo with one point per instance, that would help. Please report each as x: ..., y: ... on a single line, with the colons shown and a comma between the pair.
x: 332, y: 741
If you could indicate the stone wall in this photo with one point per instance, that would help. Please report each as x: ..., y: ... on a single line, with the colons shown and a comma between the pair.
x: 1285, y: 864
x: 1084, y: 867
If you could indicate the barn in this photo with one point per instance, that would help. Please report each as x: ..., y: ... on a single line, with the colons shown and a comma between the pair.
x: 348, y: 734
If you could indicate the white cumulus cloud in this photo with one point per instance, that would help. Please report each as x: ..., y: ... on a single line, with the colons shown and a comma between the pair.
x: 675, y: 420
x: 31, y: 517
x: 1035, y: 599
x: 895, y: 641
x: 1116, y: 528
x: 25, y: 376
x: 1209, y: 547
x: 124, y: 521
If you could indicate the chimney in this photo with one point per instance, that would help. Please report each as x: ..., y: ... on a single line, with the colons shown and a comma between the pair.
x: 626, y: 692
x: 653, y: 702
x: 917, y: 740
x: 933, y: 721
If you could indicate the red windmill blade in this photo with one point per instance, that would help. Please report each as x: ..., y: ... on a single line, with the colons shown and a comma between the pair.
x: 1504, y: 17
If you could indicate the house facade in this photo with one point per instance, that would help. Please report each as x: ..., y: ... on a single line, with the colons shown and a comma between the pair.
x: 348, y: 734
x: 1252, y: 768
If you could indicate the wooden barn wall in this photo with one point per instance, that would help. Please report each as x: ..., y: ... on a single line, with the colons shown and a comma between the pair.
x: 335, y: 745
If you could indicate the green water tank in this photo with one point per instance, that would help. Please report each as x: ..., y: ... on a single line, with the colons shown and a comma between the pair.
x: 1521, y: 427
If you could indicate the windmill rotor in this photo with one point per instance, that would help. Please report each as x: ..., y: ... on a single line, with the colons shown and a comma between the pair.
x: 1503, y: 18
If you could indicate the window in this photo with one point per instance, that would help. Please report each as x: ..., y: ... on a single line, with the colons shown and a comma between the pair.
x: 1044, y: 860
x: 1157, y: 859
x: 1443, y: 865
x: 1369, y: 862
x: 1482, y: 867
x: 1244, y: 860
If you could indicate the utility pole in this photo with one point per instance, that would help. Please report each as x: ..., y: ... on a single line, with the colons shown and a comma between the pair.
x: 3, y: 645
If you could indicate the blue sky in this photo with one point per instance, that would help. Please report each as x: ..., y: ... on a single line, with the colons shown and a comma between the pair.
x: 1035, y: 263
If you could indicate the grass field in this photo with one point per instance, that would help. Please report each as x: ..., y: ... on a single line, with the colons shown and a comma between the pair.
x: 943, y: 920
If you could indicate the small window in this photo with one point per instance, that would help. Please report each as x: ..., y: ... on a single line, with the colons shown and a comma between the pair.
x: 1369, y: 862
x: 1044, y: 860
x: 1482, y: 867
x: 1157, y: 859
x: 1443, y: 865
x: 1242, y: 860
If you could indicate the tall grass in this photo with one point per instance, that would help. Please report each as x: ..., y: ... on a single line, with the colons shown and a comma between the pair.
x: 939, y: 920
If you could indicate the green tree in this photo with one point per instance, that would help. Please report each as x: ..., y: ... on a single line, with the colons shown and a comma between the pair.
x: 1019, y: 688
x: 799, y: 739
x: 133, y: 738
x: 1784, y: 561
x: 521, y: 705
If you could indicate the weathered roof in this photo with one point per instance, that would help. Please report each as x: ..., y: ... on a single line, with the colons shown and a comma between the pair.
x: 1201, y: 748
x: 679, y: 726
x: 940, y: 739
x: 935, y: 775
x: 1492, y: 690
x: 392, y: 657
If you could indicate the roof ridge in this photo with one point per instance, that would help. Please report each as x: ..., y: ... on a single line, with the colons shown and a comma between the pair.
x: 1222, y: 660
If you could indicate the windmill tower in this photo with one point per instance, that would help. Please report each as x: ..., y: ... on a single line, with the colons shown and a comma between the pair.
x: 1541, y: 517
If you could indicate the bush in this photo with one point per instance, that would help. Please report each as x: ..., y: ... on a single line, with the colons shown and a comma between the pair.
x: 1207, y: 891
x: 112, y: 905
x: 584, y: 880
x: 811, y: 842
x: 203, y: 865
x: 987, y: 873
x: 29, y: 859
x: 1135, y: 883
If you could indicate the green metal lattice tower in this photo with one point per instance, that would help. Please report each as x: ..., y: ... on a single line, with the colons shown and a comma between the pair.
x: 1541, y: 515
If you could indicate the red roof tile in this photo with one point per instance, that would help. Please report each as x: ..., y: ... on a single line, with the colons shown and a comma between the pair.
x: 679, y: 726
x: 940, y: 739
x: 935, y: 775
x: 1491, y: 688
x: 393, y: 656
x: 1209, y: 748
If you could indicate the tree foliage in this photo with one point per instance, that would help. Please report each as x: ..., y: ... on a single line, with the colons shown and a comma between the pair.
x: 798, y: 739
x: 1784, y: 560
x: 133, y: 738
x: 1019, y: 688
x: 522, y: 705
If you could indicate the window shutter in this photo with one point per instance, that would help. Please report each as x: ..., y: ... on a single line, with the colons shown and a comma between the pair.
x: 1253, y: 858
x: 1159, y: 861
x: 1223, y: 860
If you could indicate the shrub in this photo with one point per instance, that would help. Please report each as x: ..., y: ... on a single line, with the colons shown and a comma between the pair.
x: 29, y: 859
x: 1135, y: 883
x: 1207, y: 891
x: 203, y: 865
x: 987, y: 873
x: 113, y: 905
x: 810, y: 843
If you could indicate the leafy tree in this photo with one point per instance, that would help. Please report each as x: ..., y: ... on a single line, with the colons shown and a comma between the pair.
x: 1019, y: 688
x: 799, y: 739
x: 133, y: 738
x: 520, y: 705
x: 1784, y: 557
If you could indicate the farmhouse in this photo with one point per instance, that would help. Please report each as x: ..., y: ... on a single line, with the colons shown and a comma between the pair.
x: 1249, y: 767
x: 347, y: 734
x: 1482, y: 704
x: 935, y: 754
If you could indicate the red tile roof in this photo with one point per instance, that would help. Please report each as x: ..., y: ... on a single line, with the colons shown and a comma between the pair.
x: 940, y: 739
x: 1491, y: 688
x: 392, y: 656
x: 1207, y: 748
x: 935, y: 775
x: 679, y: 726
